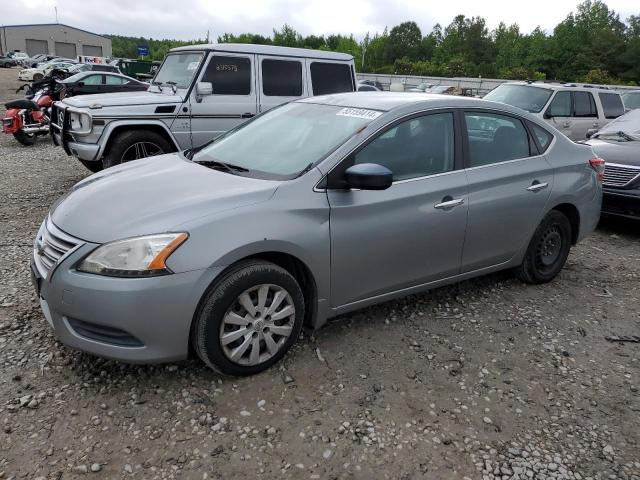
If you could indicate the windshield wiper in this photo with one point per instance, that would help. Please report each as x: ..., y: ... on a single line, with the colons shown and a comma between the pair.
x: 619, y: 134
x: 157, y: 84
x: 227, y: 167
x: 173, y: 84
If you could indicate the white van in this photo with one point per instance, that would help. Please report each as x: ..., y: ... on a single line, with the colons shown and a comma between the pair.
x: 199, y: 92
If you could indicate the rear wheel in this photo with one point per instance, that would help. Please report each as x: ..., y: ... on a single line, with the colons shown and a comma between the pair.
x: 134, y: 145
x: 26, y: 139
x: 249, y: 319
x: 548, y: 249
x: 93, y: 166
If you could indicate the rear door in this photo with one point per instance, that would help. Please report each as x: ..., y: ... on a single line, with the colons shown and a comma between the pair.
x: 509, y: 185
x: 234, y: 99
x: 280, y: 80
x: 585, y: 115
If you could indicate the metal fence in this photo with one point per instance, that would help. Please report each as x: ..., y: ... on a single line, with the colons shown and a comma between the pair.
x: 471, y: 86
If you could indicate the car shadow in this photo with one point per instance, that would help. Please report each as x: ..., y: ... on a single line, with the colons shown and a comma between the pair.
x: 623, y: 227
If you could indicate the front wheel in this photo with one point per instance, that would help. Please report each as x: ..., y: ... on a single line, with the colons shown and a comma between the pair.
x: 248, y: 319
x: 134, y: 145
x: 547, y: 251
x: 26, y: 139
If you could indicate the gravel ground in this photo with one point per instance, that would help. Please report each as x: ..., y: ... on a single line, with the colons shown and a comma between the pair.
x: 483, y: 380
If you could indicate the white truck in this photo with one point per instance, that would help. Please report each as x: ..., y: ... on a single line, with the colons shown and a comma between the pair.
x: 199, y: 92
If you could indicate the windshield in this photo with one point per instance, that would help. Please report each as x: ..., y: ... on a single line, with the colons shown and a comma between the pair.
x: 287, y: 140
x: 531, y: 99
x: 179, y: 69
x: 631, y: 100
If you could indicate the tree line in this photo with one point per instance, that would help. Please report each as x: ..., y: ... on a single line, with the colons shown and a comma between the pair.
x: 592, y: 44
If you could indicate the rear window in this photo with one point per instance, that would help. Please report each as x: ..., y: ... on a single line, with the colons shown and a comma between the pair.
x: 544, y: 138
x: 229, y: 75
x: 611, y: 104
x: 282, y: 78
x: 330, y: 78
x: 531, y: 99
x: 584, y: 105
x: 631, y: 100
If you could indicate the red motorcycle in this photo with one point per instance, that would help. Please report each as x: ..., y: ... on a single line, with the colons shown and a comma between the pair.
x: 27, y: 119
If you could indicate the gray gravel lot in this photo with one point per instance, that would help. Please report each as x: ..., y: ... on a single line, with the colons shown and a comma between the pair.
x: 483, y: 380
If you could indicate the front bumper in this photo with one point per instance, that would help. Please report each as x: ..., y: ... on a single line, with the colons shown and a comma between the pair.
x: 136, y: 320
x: 621, y: 202
x: 61, y: 136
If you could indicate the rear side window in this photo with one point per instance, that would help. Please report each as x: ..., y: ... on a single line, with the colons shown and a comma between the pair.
x: 560, y: 105
x: 544, y: 138
x: 611, y: 104
x: 229, y: 75
x: 282, y: 78
x: 495, y: 138
x: 330, y: 78
x: 584, y: 105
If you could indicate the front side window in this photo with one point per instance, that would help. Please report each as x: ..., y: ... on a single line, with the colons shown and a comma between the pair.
x: 495, y: 138
x: 282, y: 78
x: 612, y: 104
x: 560, y: 105
x: 178, y: 69
x: 529, y: 98
x: 584, y: 105
x: 286, y: 140
x: 229, y: 75
x: 329, y: 78
x: 414, y: 148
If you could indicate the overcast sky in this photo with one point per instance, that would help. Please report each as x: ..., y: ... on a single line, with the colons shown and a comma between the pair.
x: 188, y: 19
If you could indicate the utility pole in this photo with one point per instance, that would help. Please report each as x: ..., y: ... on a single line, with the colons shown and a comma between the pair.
x: 56, y: 10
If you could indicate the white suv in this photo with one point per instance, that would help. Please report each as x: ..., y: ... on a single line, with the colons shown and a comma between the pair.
x: 574, y: 109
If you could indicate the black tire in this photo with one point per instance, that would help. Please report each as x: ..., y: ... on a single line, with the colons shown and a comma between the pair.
x: 25, y: 139
x: 119, y: 150
x: 548, y: 250
x: 37, y: 76
x: 93, y: 166
x: 220, y: 299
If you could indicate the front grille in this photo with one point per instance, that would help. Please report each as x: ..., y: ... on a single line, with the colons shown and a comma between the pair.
x: 51, y: 245
x: 617, y: 175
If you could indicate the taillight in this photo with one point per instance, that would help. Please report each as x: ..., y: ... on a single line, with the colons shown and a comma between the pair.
x: 598, y: 165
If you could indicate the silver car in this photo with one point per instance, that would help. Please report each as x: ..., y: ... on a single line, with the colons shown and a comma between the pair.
x: 319, y: 207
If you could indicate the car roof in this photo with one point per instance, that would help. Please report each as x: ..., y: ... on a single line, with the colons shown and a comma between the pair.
x: 563, y: 86
x: 387, y: 101
x: 266, y: 50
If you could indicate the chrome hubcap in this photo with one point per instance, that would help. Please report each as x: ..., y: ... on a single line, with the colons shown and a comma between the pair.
x: 257, y: 325
x: 141, y: 150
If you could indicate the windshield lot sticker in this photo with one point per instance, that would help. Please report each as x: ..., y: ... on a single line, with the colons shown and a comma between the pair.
x: 359, y: 113
x: 192, y: 65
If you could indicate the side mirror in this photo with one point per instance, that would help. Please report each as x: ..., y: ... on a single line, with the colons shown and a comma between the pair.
x: 204, y: 88
x: 547, y: 115
x: 591, y: 132
x: 81, y: 84
x: 369, y: 176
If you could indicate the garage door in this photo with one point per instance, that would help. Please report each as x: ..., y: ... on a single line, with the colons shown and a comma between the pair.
x: 92, y: 50
x: 66, y: 50
x: 35, y: 47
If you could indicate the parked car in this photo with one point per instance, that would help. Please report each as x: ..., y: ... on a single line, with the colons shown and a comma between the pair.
x: 19, y: 57
x: 442, y: 89
x: 92, y: 67
x: 199, y: 92
x: 39, y: 59
x: 373, y: 83
x: 36, y: 74
x: 7, y: 62
x: 90, y: 82
x: 631, y: 99
x: 619, y: 145
x: 573, y: 109
x: 227, y: 248
x: 422, y: 87
x: 365, y: 87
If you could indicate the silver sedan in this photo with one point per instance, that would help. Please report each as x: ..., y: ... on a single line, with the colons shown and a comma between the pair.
x: 313, y: 209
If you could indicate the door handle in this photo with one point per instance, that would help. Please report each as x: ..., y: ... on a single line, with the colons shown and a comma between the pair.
x: 566, y: 124
x: 247, y: 115
x: 448, y: 202
x: 537, y: 186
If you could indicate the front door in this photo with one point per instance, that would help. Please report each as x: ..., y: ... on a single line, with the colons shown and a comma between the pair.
x: 509, y: 185
x: 413, y: 232
x: 560, y: 111
x: 234, y: 98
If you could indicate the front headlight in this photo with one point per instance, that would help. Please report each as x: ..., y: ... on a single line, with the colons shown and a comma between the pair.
x: 79, y: 122
x: 133, y: 257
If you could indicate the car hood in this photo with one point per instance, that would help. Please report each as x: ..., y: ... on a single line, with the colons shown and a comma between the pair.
x: 612, y: 151
x: 152, y: 195
x: 122, y: 99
